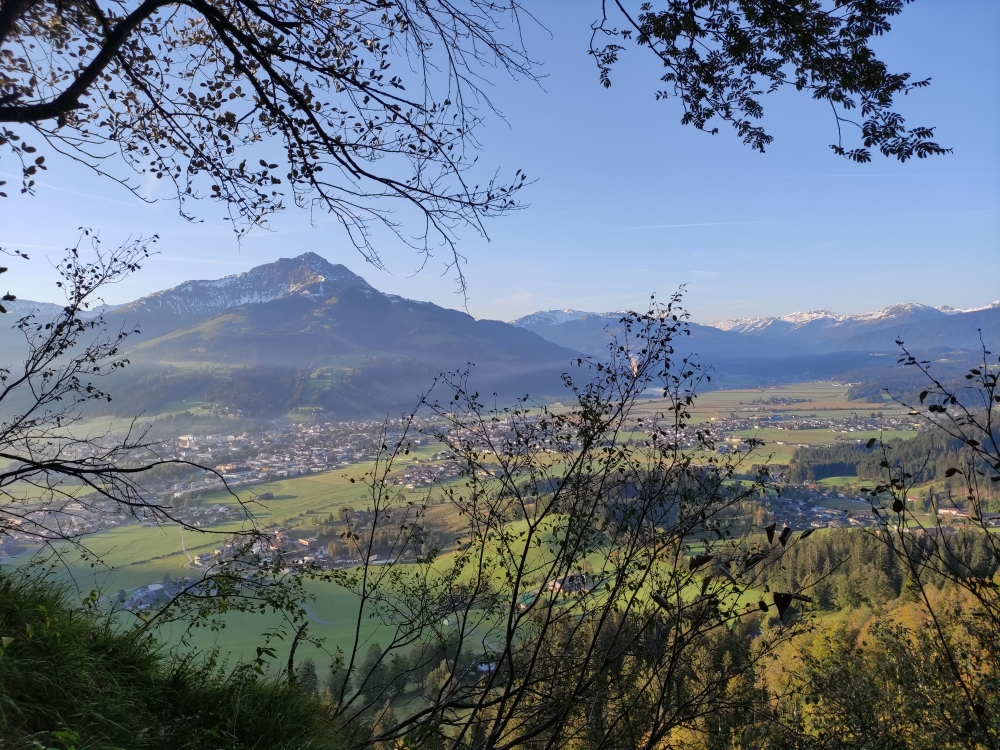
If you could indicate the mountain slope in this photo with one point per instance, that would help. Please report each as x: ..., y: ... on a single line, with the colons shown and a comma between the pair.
x: 591, y: 333
x: 308, y: 276
x: 304, y: 332
x: 955, y: 331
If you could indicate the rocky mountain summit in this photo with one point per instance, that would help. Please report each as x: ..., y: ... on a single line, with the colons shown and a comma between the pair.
x: 308, y: 276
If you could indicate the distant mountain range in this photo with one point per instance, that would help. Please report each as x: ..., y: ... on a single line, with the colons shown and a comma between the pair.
x: 303, y: 332
x: 815, y: 332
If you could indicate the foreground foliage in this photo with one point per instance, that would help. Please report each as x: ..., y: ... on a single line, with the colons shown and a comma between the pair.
x: 883, y: 683
x: 599, y: 594
x: 71, y: 677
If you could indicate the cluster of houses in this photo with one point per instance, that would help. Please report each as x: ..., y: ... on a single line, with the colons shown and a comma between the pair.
x: 150, y: 596
x: 277, y: 451
x: 33, y: 525
x: 799, y: 505
x: 440, y: 467
x: 259, y: 454
x: 851, y: 422
x: 75, y: 519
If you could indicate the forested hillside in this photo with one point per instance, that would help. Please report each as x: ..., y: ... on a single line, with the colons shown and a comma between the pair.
x: 927, y: 457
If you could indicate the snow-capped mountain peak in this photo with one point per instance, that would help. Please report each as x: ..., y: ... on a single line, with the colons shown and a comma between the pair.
x: 827, y: 319
x: 949, y: 310
x: 779, y: 325
x: 897, y: 311
x: 549, y: 317
x: 743, y: 325
x: 308, y: 275
x: 801, y: 318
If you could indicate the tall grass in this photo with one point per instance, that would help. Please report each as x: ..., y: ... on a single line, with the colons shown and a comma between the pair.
x: 72, y: 677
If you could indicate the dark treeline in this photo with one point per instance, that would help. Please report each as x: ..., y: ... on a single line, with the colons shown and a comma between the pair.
x: 871, y: 384
x: 926, y: 457
x: 148, y: 389
x: 255, y: 390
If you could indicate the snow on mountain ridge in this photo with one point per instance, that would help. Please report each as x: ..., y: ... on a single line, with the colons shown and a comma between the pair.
x: 949, y: 310
x: 894, y: 311
x: 19, y: 308
x: 828, y: 318
x: 544, y: 318
x: 801, y: 318
x: 784, y: 323
x: 549, y: 317
x: 308, y: 275
x: 744, y: 325
x: 740, y: 324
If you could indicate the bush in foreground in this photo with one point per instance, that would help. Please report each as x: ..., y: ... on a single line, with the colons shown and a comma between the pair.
x: 71, y: 677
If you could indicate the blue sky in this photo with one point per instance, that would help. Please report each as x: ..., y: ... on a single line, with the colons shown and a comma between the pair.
x: 628, y: 202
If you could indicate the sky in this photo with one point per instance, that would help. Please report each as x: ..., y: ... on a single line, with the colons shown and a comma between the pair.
x: 627, y: 202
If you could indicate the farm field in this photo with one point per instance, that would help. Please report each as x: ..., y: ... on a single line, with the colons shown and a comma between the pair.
x: 332, y: 614
x: 332, y: 618
x: 846, y: 481
x: 820, y: 400
x: 817, y: 396
x: 137, y: 555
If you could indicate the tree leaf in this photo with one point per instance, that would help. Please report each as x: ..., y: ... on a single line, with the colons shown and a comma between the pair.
x: 698, y: 560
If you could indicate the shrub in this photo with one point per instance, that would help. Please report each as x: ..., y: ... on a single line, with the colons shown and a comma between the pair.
x: 72, y: 676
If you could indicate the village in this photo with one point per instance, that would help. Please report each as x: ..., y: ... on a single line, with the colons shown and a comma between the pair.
x: 272, y: 451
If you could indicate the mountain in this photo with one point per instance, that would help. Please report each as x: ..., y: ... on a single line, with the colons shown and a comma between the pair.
x: 949, y: 310
x: 591, y: 333
x: 309, y: 277
x: 12, y: 341
x: 548, y: 318
x: 801, y: 333
x: 584, y: 331
x: 920, y: 326
x: 960, y: 330
x: 21, y: 307
x: 822, y: 330
x: 304, y: 332
x: 813, y: 344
